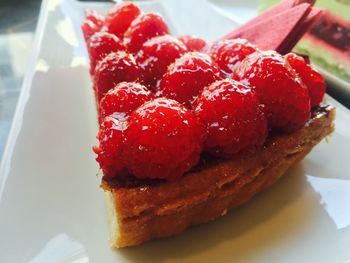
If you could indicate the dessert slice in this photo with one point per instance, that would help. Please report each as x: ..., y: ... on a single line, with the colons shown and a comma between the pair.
x: 142, y: 210
x: 189, y: 130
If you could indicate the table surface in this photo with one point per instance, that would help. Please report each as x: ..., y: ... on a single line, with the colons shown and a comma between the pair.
x: 18, y: 20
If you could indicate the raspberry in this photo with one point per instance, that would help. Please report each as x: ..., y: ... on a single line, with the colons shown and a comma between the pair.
x: 92, y: 23
x: 163, y: 140
x: 144, y: 27
x: 311, y: 78
x: 112, y: 69
x: 187, y: 76
x: 193, y: 43
x: 124, y: 98
x: 109, y: 150
x: 157, y: 54
x: 233, y: 118
x: 285, y: 97
x: 120, y: 17
x: 100, y: 45
x: 228, y: 53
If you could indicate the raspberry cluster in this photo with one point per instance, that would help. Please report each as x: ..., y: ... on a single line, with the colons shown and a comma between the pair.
x: 163, y: 101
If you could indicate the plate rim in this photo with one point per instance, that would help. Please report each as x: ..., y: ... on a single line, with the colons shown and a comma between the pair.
x: 23, y: 97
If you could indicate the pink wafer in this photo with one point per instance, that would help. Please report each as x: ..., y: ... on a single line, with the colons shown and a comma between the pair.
x: 281, y: 7
x: 271, y: 32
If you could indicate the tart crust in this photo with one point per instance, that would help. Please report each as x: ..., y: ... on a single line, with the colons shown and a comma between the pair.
x: 141, y: 210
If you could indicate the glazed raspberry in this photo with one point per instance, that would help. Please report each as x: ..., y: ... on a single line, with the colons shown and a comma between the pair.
x: 285, y: 97
x: 92, y: 23
x: 144, y: 27
x: 157, y: 54
x: 120, y: 17
x: 124, y: 98
x: 109, y: 150
x: 193, y: 43
x: 228, y: 53
x: 233, y: 117
x: 187, y: 76
x: 312, y: 79
x: 163, y: 140
x: 100, y: 45
x: 112, y: 69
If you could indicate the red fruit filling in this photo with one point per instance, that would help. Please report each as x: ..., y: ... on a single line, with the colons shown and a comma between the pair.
x: 187, y: 76
x: 120, y: 17
x: 100, y: 45
x: 193, y: 43
x: 157, y: 54
x: 285, y: 97
x: 163, y: 140
x: 112, y: 69
x: 92, y: 23
x: 144, y: 27
x: 109, y: 150
x: 312, y: 79
x: 124, y: 98
x: 228, y: 53
x: 233, y: 118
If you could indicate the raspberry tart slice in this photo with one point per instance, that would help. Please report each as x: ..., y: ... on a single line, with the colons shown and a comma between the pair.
x: 189, y: 129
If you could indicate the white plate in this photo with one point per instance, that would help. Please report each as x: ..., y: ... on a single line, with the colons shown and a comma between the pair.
x: 52, y: 210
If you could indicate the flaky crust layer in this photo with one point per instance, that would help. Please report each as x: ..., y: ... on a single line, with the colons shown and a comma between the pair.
x: 145, y: 212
